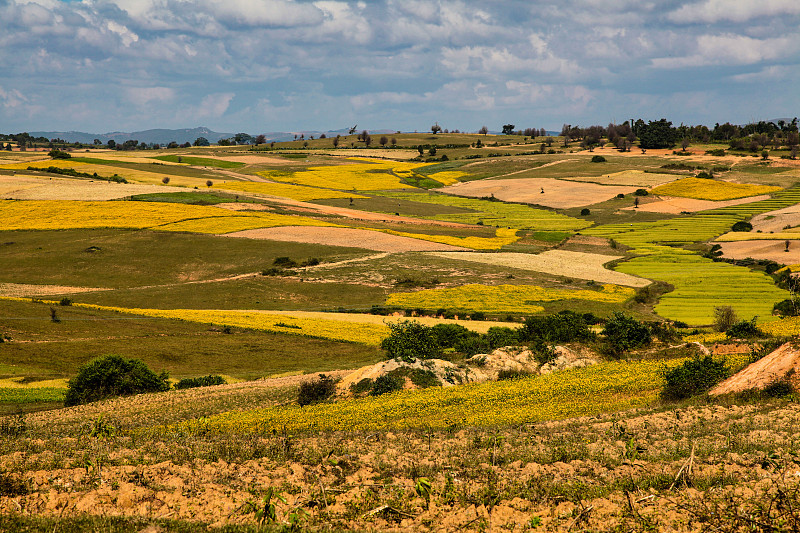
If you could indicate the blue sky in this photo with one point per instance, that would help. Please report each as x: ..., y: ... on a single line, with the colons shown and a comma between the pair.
x: 281, y: 65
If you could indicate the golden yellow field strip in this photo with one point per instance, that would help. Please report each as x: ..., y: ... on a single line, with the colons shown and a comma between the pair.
x: 580, y: 265
x: 366, y: 175
x: 602, y: 388
x: 789, y: 268
x: 504, y: 298
x: 707, y: 189
x: 14, y: 383
x: 448, y: 177
x: 54, y: 214
x: 284, y: 190
x: 106, y: 171
x: 736, y: 236
x: 503, y: 236
x: 785, y: 327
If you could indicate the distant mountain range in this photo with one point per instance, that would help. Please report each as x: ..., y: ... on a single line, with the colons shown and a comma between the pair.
x: 180, y: 136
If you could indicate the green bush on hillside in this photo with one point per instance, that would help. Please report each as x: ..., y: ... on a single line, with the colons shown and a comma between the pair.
x: 316, y: 391
x: 624, y: 333
x: 409, y: 340
x: 693, y: 377
x: 110, y: 376
x: 205, y: 381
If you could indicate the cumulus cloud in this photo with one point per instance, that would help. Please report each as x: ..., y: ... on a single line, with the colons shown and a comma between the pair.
x: 711, y: 11
x: 731, y: 49
x: 144, y: 96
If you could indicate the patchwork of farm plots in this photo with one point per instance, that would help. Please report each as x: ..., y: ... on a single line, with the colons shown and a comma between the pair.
x: 368, y: 175
x: 286, y: 190
x: 495, y: 213
x: 503, y: 298
x: 47, y: 215
x: 559, y: 262
x: 708, y: 189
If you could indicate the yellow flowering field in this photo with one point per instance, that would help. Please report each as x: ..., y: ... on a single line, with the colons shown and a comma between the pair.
x: 503, y: 236
x: 448, y: 177
x: 366, y: 175
x: 230, y: 224
x: 67, y: 214
x: 706, y: 189
x: 736, y: 236
x: 284, y: 190
x: 105, y: 171
x: 606, y: 387
x: 503, y: 298
x: 782, y: 327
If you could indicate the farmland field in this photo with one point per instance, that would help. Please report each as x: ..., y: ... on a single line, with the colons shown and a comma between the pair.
x: 270, y: 265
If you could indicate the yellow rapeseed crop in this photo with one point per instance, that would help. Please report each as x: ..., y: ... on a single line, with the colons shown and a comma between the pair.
x: 503, y: 236
x: 787, y: 326
x: 706, y: 189
x: 284, y: 190
x: 605, y: 387
x: 448, y: 177
x: 66, y: 214
x: 367, y: 175
x: 503, y: 298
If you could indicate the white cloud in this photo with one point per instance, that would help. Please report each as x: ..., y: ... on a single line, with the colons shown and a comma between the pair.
x: 729, y: 49
x: 144, y: 96
x: 214, y: 105
x: 712, y: 11
x: 11, y: 98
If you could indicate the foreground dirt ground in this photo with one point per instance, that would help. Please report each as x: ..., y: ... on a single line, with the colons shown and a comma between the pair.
x: 668, y: 469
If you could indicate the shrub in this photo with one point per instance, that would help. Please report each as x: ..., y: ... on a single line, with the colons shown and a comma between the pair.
x: 472, y: 345
x: 724, y: 317
x: 562, y: 327
x: 409, y: 340
x: 498, y: 337
x: 625, y: 333
x: 693, y: 377
x: 66, y: 302
x: 419, y: 377
x: 640, y: 192
x: 705, y: 175
x: 717, y: 152
x: 744, y: 329
x: 362, y: 387
x: 284, y: 262
x: 509, y: 373
x: 598, y: 159
x: 205, y: 381
x: 58, y: 154
x: 585, y: 212
x: 742, y: 226
x: 316, y: 391
x: 110, y: 376
x: 387, y: 383
x: 448, y: 335
x: 786, y: 307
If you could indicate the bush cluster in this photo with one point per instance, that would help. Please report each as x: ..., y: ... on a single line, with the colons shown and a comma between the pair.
x: 316, y: 391
x: 205, y: 381
x: 693, y: 377
x: 110, y: 376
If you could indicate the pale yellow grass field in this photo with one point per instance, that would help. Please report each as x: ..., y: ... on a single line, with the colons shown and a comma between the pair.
x: 283, y: 190
x: 20, y: 290
x: 106, y: 171
x: 579, y: 265
x: 706, y: 189
x: 675, y: 206
x: 629, y: 178
x: 22, y: 187
x: 773, y: 250
x: 738, y: 236
x: 557, y: 193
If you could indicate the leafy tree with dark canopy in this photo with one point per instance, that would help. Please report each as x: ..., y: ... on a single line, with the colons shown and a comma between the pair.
x: 110, y: 376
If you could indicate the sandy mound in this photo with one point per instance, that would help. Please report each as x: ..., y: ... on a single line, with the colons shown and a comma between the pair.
x: 783, y: 363
x: 580, y: 265
x: 557, y: 193
x: 37, y: 188
x: 675, y: 206
x: 771, y: 250
x: 480, y: 368
x: 351, y: 237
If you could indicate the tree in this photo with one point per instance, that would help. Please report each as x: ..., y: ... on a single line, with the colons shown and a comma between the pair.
x: 201, y: 141
x: 625, y: 333
x: 394, y: 141
x: 484, y: 130
x: 724, y: 317
x: 97, y: 142
x: 165, y: 180
x: 684, y: 144
x: 409, y: 340
x: 110, y: 376
x: 420, y: 149
x: 508, y: 129
x: 261, y: 139
x: 436, y: 128
x: 657, y: 134
x: 367, y: 140
x: 693, y: 377
x: 383, y: 140
x: 432, y: 151
x: 111, y: 143
x: 336, y: 141
x: 209, y: 183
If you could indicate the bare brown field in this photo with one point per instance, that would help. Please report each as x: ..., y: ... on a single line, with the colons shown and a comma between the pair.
x: 675, y: 206
x: 22, y: 187
x: 355, y: 238
x: 777, y: 220
x: 773, y: 250
x: 20, y: 290
x: 628, y: 178
x: 557, y: 193
x: 580, y: 265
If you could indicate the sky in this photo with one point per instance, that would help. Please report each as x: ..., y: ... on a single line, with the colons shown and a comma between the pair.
x: 258, y: 66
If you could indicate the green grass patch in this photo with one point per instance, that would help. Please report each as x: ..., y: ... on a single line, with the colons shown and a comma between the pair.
x: 195, y: 198
x: 200, y: 161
